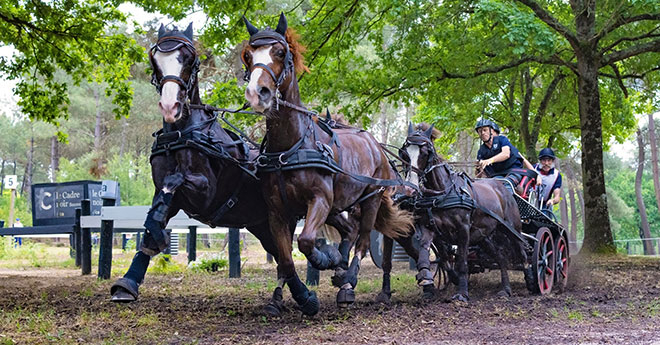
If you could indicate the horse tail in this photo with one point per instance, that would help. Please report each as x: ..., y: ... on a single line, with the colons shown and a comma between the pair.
x: 331, y: 233
x: 392, y: 221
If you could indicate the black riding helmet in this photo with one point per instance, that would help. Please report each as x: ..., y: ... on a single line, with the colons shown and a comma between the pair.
x: 547, y: 152
x: 487, y: 123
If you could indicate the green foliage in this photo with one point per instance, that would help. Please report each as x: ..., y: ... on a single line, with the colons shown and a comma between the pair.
x: 164, y: 265
x: 209, y: 263
x: 21, y: 208
x: 81, y: 38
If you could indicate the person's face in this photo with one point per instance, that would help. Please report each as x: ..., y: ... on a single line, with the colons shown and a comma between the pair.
x: 547, y: 163
x: 484, y: 133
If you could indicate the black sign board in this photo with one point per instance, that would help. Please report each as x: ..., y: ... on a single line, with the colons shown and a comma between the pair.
x: 56, y: 203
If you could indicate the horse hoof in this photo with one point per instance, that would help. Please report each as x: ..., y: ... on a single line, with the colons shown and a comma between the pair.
x: 429, y: 293
x: 384, y: 298
x: 460, y: 298
x: 122, y: 296
x: 124, y: 291
x: 345, y: 297
x: 311, y: 306
x: 272, y: 309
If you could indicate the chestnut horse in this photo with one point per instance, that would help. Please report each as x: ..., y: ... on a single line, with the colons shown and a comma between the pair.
x: 457, y: 211
x: 312, y: 171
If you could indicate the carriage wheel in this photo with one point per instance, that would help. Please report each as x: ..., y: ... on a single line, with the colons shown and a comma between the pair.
x: 543, y: 261
x: 561, y: 265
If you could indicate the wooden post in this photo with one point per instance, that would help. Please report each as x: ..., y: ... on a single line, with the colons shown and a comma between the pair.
x: 234, y: 253
x: 86, y: 234
x: 123, y: 241
x: 191, y: 247
x: 76, y: 237
x: 313, y: 275
x: 269, y: 258
x: 105, y: 247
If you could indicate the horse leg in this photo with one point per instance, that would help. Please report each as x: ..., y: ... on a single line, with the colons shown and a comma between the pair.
x: 126, y: 288
x: 346, y: 294
x: 424, y: 275
x: 463, y: 241
x: 306, y: 300
x: 502, y: 260
x: 340, y: 271
x: 326, y: 257
x: 386, y: 292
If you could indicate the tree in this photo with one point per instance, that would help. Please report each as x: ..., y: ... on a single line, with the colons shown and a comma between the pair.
x: 654, y: 159
x: 604, y: 48
x: 645, y: 231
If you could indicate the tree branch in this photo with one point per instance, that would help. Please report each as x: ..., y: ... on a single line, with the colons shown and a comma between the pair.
x: 626, y: 20
x: 551, y: 21
x: 649, y: 34
x: 653, y: 46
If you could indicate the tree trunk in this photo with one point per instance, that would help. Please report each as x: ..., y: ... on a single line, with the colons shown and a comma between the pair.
x: 645, y: 231
x: 528, y: 89
x: 654, y: 160
x: 27, y: 177
x: 98, y: 134
x: 597, y: 231
x: 2, y: 177
x: 54, y: 158
x: 572, y: 234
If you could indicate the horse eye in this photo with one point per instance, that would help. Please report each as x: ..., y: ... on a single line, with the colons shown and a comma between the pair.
x: 280, y: 52
x: 246, y: 57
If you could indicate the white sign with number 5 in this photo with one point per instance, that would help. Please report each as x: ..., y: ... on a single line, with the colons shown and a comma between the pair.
x: 10, y: 182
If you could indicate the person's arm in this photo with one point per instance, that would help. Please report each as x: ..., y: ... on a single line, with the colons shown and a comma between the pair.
x: 526, y: 163
x: 555, y: 197
x: 500, y: 157
x: 529, y: 166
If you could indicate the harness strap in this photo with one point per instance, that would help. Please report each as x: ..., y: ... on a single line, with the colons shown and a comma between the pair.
x: 230, y: 203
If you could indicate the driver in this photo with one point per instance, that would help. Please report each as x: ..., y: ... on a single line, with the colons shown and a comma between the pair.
x: 497, y: 156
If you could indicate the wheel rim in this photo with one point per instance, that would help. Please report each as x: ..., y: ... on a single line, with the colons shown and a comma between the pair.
x: 544, y: 261
x: 561, y: 269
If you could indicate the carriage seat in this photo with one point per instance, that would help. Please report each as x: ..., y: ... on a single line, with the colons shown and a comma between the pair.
x: 527, y: 181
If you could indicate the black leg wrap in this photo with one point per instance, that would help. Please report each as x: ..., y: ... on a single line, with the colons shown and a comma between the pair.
x: 352, y: 274
x: 155, y: 223
x: 338, y: 278
x: 529, y: 279
x: 307, y: 300
x: 324, y: 258
x: 344, y: 250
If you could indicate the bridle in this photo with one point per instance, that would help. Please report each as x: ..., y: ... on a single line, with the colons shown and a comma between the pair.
x: 269, y: 37
x: 418, y: 139
x: 179, y: 42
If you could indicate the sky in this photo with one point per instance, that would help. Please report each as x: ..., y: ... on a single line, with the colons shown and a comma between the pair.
x: 626, y: 150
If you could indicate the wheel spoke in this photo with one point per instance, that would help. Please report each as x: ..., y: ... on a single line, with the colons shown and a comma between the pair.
x: 548, y: 270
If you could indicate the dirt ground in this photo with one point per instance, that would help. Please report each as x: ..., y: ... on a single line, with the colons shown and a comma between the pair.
x: 609, y: 301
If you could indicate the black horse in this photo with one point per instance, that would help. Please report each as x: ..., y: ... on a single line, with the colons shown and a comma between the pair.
x: 454, y: 210
x: 197, y: 166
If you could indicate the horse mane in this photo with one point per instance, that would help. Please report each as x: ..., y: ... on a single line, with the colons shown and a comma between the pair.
x: 297, y: 49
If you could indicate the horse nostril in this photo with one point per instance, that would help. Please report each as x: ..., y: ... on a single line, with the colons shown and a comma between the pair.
x: 264, y: 93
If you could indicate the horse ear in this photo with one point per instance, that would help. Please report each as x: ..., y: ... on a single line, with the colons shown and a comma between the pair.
x: 410, y: 128
x: 161, y: 31
x: 327, y: 114
x: 250, y: 28
x: 189, y: 33
x: 281, y: 25
x: 429, y: 132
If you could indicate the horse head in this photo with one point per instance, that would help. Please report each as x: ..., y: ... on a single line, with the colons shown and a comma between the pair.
x: 418, y: 152
x: 271, y: 59
x: 175, y: 63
